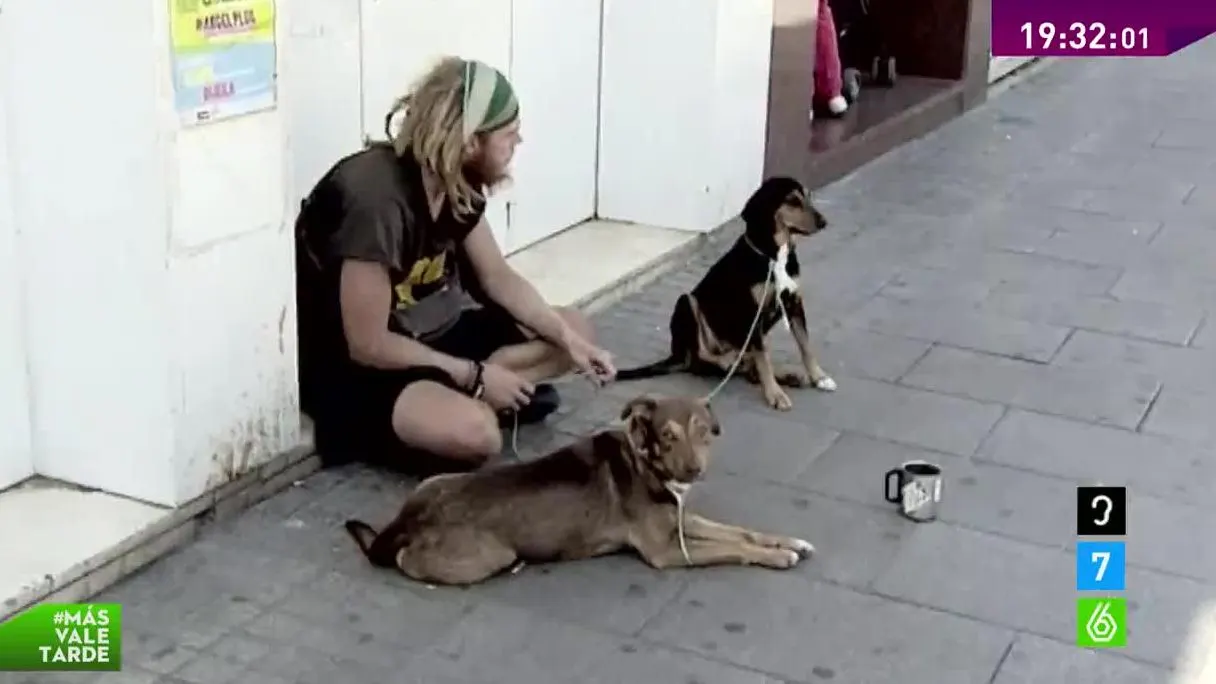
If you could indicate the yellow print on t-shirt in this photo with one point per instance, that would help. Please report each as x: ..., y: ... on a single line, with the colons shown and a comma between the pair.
x: 425, y: 271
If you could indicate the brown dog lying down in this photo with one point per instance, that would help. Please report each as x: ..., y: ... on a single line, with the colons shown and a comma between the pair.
x: 611, y: 491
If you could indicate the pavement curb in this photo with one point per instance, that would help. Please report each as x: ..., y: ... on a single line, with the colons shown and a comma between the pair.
x: 1019, y: 75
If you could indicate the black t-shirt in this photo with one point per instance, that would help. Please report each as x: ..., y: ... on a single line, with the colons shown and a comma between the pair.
x: 372, y: 206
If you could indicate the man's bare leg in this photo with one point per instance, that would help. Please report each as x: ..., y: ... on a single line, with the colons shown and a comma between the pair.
x: 444, y: 422
x: 538, y: 360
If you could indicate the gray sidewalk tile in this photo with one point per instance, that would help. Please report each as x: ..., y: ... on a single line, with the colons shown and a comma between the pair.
x: 1171, y: 325
x: 946, y: 288
x: 1206, y: 337
x: 1164, y: 535
x: 959, y: 326
x: 811, y: 631
x: 496, y: 644
x: 1120, y: 400
x: 1186, y: 243
x: 766, y: 448
x: 1094, y: 454
x: 302, y: 665
x: 1171, y: 365
x: 1167, y: 616
x: 634, y: 663
x: 1118, y: 248
x: 209, y: 669
x: 902, y: 414
x: 981, y: 576
x: 1186, y: 415
x: 1167, y: 287
x: 280, y: 630
x: 1034, y: 660
x: 1023, y: 272
x: 848, y: 352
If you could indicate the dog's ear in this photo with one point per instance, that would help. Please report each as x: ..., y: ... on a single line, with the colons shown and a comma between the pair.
x: 643, y: 405
x: 762, y: 205
x: 638, y: 415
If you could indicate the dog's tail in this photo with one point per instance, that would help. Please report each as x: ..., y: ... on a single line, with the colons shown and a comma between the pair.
x: 364, y: 535
x: 667, y: 366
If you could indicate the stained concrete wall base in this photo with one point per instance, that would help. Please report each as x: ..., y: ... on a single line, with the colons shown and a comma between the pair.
x: 174, y: 528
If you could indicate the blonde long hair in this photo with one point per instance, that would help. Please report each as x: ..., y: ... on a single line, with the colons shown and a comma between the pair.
x: 432, y: 129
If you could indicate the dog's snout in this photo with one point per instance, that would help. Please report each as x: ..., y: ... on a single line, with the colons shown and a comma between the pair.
x: 692, y: 473
x: 820, y: 220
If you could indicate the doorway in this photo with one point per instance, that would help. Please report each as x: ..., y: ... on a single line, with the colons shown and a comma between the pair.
x: 555, y: 68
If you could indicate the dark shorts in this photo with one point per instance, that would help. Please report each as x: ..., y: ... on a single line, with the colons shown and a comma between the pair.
x: 353, y: 421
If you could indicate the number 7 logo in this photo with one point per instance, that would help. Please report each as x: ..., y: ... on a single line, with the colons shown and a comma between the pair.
x: 1101, y: 558
x: 1101, y: 566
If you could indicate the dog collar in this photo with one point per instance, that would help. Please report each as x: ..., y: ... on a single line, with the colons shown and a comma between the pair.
x: 756, y: 249
x: 780, y: 264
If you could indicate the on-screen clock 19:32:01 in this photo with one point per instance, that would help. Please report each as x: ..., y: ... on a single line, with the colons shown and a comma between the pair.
x: 1085, y: 38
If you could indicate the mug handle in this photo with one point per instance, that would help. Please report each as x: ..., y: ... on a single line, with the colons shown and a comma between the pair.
x: 893, y: 496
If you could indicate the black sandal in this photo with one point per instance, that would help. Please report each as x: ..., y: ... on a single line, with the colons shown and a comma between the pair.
x: 544, y: 402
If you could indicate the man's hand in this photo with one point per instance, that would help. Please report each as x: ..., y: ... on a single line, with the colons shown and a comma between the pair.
x: 505, y: 389
x: 590, y: 360
x: 520, y: 299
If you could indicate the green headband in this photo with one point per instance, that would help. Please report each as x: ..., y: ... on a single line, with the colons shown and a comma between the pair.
x: 489, y: 99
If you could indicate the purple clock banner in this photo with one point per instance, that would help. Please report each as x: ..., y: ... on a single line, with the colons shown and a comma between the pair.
x: 1093, y: 28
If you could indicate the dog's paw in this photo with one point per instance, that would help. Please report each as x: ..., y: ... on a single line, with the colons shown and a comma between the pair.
x: 782, y: 559
x: 779, y: 400
x: 826, y: 383
x: 802, y: 547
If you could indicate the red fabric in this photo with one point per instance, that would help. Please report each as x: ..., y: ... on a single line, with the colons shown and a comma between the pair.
x: 829, y: 81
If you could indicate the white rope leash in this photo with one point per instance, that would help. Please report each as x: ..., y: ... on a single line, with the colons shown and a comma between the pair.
x: 567, y: 379
x: 678, y: 490
x: 772, y: 270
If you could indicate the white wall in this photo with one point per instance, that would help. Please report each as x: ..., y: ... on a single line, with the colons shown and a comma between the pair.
x: 160, y: 329
x: 684, y: 100
x: 16, y: 457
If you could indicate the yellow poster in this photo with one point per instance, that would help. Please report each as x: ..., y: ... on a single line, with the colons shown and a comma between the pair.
x: 223, y: 57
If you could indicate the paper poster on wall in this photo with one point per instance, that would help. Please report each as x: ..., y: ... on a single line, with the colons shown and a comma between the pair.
x: 223, y: 58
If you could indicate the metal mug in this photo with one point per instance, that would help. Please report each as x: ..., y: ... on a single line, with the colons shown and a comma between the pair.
x: 916, y: 486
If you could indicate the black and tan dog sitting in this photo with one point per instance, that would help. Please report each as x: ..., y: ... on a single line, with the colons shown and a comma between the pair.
x: 710, y: 325
x: 616, y: 490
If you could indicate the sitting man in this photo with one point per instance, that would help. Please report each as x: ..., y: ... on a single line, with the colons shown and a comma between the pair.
x: 392, y: 248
